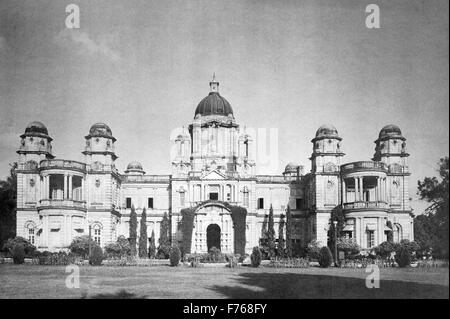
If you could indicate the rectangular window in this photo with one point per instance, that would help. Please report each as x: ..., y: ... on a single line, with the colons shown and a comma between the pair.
x: 370, y: 238
x: 246, y: 200
x: 150, y: 202
x: 31, y: 235
x: 97, y: 236
x: 260, y: 203
x: 214, y: 196
x: 182, y: 199
x: 299, y: 203
x: 128, y: 202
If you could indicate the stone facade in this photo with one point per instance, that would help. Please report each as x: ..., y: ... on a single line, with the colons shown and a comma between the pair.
x: 213, y: 162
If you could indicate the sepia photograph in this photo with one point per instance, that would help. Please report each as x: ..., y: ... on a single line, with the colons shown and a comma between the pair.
x: 205, y: 153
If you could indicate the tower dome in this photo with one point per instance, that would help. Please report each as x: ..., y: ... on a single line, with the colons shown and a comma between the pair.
x: 100, y: 130
x: 36, y: 128
x: 327, y: 130
x: 291, y: 168
x: 214, y: 103
x: 390, y: 130
x: 134, y: 167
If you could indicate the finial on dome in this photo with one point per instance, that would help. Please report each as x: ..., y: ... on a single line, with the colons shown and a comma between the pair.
x: 214, y: 85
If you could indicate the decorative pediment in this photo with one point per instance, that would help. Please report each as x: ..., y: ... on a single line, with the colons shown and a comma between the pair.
x: 213, y: 175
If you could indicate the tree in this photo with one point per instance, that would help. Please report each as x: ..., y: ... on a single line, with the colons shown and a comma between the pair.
x: 164, y: 239
x: 143, y: 238
x: 426, y: 229
x: 325, y: 257
x: 133, y: 230
x: 336, y: 215
x: 281, y: 242
x: 152, y: 246
x: 80, y: 245
x: 271, y: 233
x: 288, y: 232
x: 436, y: 191
x: 8, y: 195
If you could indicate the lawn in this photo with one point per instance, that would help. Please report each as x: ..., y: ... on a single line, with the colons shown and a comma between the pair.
x: 32, y: 281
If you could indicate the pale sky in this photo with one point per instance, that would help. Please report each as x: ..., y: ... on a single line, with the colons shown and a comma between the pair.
x: 143, y: 66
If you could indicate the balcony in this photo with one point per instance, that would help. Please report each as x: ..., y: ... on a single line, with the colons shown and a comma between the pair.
x: 373, y: 205
x: 62, y: 204
x: 63, y: 164
x: 364, y: 166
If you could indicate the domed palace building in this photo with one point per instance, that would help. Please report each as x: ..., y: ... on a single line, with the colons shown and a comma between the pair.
x: 213, y: 198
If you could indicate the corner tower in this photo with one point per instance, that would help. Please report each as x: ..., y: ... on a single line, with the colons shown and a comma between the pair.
x: 325, y: 167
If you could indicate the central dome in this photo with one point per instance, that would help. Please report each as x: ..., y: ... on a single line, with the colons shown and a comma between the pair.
x: 214, y: 104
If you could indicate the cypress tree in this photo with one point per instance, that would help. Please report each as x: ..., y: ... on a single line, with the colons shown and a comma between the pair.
x: 288, y: 232
x: 133, y: 230
x: 281, y: 243
x: 152, y: 246
x: 271, y: 233
x: 143, y: 238
x: 164, y: 234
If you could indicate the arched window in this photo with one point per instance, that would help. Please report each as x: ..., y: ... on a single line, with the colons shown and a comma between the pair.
x: 98, y: 233
x: 397, y: 233
x: 30, y: 231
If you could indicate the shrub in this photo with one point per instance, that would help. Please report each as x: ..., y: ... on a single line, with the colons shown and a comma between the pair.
x: 256, y: 256
x: 80, y: 245
x: 325, y: 257
x: 175, y: 256
x: 215, y: 256
x: 163, y: 252
x: 96, y: 257
x: 232, y: 262
x: 18, y: 254
x: 152, y: 246
x: 384, y: 250
x: 403, y: 257
x: 312, y: 250
x: 120, y: 248
x: 348, y: 245
x: 27, y: 246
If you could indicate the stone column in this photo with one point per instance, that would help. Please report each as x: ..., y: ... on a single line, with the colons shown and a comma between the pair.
x: 380, y: 231
x: 70, y: 187
x: 65, y: 187
x: 82, y: 188
x: 344, y: 191
x: 47, y: 186
x: 356, y: 188
x: 377, y: 190
x: 357, y: 229
x: 362, y: 189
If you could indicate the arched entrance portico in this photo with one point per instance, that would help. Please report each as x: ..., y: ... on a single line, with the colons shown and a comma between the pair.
x: 213, y: 227
x: 213, y: 236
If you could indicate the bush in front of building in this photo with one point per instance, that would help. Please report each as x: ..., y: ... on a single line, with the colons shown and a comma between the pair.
x: 18, y: 254
x: 174, y: 256
x: 80, y: 245
x: 28, y: 247
x: 384, y: 249
x: 348, y: 245
x: 120, y: 248
x: 325, y: 258
x: 163, y: 252
x: 215, y: 256
x: 256, y: 257
x: 403, y: 257
x: 96, y: 257
x: 313, y: 250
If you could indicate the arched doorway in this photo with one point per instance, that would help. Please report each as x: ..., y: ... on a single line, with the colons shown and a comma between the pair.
x: 213, y: 236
